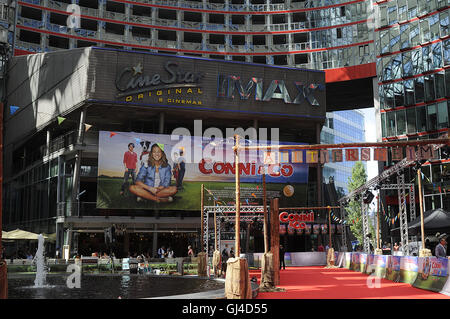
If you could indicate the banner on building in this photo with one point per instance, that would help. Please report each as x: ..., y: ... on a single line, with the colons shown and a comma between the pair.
x: 165, y: 172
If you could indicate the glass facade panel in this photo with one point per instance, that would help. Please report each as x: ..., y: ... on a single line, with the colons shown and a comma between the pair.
x: 398, y: 94
x: 407, y: 64
x: 384, y: 41
x: 383, y: 124
x: 411, y: 120
x: 429, y: 88
x: 392, y: 12
x: 390, y: 123
x: 436, y: 51
x: 421, y: 116
x: 432, y: 117
x: 446, y: 52
x: 443, y: 23
x: 414, y: 33
x: 395, y: 39
x: 401, y: 122
x: 439, y: 82
x: 412, y: 9
x: 425, y: 31
x: 442, y: 119
x: 419, y: 90
x: 389, y: 96
x: 402, y: 10
x: 409, y: 92
x: 404, y: 36
x: 416, y: 58
x: 427, y: 58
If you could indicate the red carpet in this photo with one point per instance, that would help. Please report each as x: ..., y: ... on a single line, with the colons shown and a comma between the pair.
x: 339, y: 283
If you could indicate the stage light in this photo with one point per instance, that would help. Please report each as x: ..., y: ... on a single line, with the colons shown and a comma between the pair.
x: 368, y: 197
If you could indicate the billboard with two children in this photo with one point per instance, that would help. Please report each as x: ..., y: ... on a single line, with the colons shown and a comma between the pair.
x: 155, y: 171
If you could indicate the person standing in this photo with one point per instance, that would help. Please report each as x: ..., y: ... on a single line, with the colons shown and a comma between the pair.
x: 170, y: 253
x: 441, y: 248
x: 129, y: 161
x: 282, y: 251
x: 190, y: 251
x: 162, y: 252
x: 232, y: 252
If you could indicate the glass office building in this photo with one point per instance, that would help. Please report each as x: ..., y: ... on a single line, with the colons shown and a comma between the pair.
x: 315, y: 34
x: 413, y: 58
x: 342, y: 127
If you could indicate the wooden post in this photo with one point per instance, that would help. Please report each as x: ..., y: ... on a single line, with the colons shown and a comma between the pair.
x: 275, y: 239
x: 266, y: 233
x: 238, y: 200
x: 330, y: 245
x: 419, y: 179
x: 215, y: 231
x: 202, y: 216
x: 378, y: 223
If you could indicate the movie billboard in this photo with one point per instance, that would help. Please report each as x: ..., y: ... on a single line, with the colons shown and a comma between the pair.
x: 165, y: 172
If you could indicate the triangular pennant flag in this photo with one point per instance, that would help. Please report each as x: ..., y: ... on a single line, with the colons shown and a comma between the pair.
x: 111, y: 134
x: 13, y: 109
x: 253, y: 194
x: 161, y: 146
x: 87, y: 127
x: 60, y: 119
x: 247, y: 202
x: 138, y: 140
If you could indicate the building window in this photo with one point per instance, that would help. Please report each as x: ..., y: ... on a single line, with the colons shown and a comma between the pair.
x: 390, y: 123
x: 419, y: 90
x: 409, y: 92
x: 401, y: 122
x: 421, y: 116
x: 432, y: 117
x: 411, y: 120
x: 442, y: 121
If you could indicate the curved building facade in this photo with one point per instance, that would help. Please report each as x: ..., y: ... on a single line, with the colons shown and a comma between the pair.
x: 307, y: 34
x: 413, y: 59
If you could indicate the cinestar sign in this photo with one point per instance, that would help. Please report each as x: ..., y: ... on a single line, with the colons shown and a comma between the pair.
x: 133, y: 81
x: 229, y: 86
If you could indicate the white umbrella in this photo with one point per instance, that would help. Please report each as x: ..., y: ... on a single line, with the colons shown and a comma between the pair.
x: 21, y: 234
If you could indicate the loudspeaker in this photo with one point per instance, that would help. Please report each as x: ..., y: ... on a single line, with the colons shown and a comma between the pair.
x: 368, y: 197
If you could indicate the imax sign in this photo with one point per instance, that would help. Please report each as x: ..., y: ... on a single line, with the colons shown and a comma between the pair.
x: 229, y: 86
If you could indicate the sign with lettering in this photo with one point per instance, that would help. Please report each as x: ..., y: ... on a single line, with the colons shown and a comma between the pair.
x: 194, y: 83
x: 295, y: 220
x: 351, y: 154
